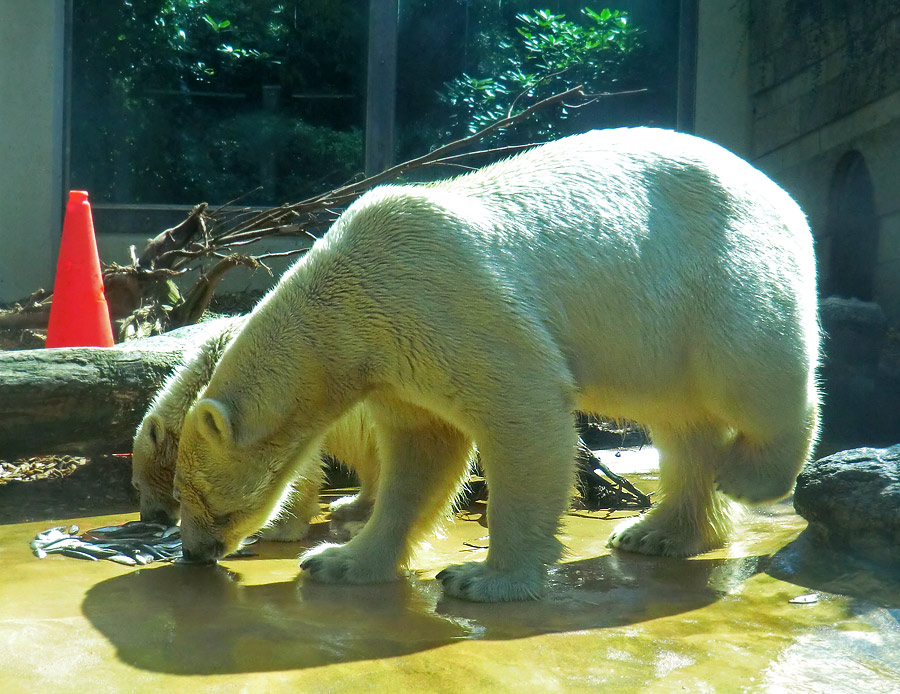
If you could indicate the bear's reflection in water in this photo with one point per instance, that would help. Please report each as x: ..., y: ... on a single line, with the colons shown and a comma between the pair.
x: 208, y: 620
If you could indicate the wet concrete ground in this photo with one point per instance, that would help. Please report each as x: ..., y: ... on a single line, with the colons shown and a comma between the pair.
x: 613, y: 622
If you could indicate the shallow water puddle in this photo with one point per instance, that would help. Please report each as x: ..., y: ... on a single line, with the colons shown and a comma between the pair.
x: 721, y: 622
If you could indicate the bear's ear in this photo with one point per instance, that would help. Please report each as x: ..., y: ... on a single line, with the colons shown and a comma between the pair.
x: 214, y: 422
x: 155, y: 430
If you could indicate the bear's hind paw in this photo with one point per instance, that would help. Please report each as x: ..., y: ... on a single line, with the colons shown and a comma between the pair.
x: 477, y: 582
x: 287, y: 529
x: 646, y: 535
x: 753, y: 486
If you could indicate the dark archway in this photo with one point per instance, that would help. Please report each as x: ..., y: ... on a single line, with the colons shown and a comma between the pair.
x: 852, y: 227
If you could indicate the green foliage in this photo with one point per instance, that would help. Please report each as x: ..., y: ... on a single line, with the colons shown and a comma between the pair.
x: 285, y: 154
x: 168, y: 98
x: 548, y: 54
x: 161, y: 89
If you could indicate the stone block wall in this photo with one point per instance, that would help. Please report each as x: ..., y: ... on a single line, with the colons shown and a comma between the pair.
x: 813, y: 62
x: 824, y: 80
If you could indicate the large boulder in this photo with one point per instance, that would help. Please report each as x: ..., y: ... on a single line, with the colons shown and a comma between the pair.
x: 852, y: 502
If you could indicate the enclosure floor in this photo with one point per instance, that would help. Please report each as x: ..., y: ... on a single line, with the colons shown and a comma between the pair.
x: 613, y: 622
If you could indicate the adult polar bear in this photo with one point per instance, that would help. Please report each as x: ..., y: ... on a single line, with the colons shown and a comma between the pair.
x: 637, y: 273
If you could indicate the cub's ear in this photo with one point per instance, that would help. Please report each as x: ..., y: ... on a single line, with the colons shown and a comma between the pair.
x: 214, y: 422
x: 155, y: 430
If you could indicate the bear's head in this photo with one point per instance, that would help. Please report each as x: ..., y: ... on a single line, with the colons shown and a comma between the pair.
x: 229, y: 481
x: 153, y: 459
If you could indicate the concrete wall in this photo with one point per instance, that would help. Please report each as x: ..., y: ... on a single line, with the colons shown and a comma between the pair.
x: 793, y: 85
x: 825, y: 80
x: 31, y: 143
x: 722, y: 112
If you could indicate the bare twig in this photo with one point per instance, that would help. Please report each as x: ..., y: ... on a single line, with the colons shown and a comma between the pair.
x: 177, y: 237
x: 216, y: 234
x: 493, y: 151
x: 269, y: 222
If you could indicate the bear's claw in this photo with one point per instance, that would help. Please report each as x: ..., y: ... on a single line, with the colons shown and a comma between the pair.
x: 478, y: 582
x: 330, y: 563
x: 317, y: 567
x: 656, y: 534
x: 653, y: 542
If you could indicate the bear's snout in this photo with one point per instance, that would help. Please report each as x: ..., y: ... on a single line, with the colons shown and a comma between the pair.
x: 159, y: 515
x: 206, y: 553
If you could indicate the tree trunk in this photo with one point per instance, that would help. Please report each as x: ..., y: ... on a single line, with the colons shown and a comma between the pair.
x: 85, y: 400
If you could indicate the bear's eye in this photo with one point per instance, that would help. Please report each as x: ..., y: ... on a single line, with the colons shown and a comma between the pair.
x: 223, y: 520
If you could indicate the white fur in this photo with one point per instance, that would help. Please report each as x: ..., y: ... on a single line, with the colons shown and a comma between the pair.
x: 635, y: 273
x: 156, y: 440
x: 351, y: 441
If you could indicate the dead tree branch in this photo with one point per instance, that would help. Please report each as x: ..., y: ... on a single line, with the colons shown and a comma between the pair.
x: 144, y: 292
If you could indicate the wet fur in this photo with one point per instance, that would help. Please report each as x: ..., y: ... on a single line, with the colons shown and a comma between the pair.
x: 635, y: 273
x: 155, y: 450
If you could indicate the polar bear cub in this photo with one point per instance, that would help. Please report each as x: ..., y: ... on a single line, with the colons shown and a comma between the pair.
x: 637, y: 273
x: 351, y: 440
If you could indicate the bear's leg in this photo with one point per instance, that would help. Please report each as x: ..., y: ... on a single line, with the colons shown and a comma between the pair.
x: 529, y: 475
x: 299, y: 506
x: 690, y: 517
x: 349, y: 513
x: 424, y: 463
x: 358, y: 507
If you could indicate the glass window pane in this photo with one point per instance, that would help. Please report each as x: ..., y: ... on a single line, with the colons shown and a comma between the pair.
x: 464, y: 63
x: 181, y: 101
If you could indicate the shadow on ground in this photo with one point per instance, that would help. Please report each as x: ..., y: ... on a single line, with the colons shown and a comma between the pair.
x: 808, y: 563
x: 207, y: 620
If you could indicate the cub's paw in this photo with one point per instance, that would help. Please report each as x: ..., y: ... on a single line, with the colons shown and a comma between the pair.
x: 344, y: 531
x: 651, y: 535
x: 285, y: 529
x: 331, y: 563
x: 350, y: 508
x: 477, y: 582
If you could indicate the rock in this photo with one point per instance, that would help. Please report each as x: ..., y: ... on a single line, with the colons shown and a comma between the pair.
x: 854, y: 332
x: 852, y: 502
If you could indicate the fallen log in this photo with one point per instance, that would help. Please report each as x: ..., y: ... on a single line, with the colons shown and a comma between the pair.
x: 85, y: 400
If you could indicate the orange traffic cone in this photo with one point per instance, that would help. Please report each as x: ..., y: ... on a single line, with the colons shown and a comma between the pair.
x: 79, y: 316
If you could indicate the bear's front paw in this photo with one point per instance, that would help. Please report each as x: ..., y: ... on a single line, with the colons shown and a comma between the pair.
x: 330, y: 563
x: 477, y: 582
x: 285, y: 529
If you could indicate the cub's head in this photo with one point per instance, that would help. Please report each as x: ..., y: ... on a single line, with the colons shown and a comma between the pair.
x: 153, y: 470
x: 229, y: 478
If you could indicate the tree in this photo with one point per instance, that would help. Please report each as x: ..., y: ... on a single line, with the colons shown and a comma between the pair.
x: 153, y: 78
x: 547, y: 55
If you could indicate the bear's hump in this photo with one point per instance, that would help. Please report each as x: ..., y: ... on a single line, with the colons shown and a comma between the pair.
x: 407, y: 213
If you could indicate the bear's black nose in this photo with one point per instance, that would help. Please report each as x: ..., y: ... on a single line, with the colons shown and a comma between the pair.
x: 159, y: 515
x: 205, y: 554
